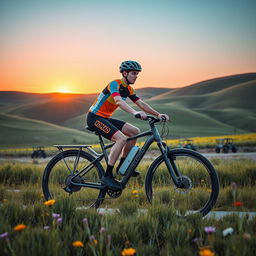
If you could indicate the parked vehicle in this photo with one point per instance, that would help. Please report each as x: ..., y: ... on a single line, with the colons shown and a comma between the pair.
x: 225, y: 145
x: 187, y: 143
x: 38, y: 152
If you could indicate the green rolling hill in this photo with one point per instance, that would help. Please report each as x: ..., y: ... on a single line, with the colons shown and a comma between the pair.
x: 218, y: 106
x: 19, y: 131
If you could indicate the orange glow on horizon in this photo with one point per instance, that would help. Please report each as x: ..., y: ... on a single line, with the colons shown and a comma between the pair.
x: 64, y: 90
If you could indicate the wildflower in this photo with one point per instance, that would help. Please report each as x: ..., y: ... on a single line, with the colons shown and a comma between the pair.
x: 55, y: 215
x: 46, y: 227
x: 78, y: 244
x: 135, y: 193
x: 209, y: 230
x: 19, y: 227
x: 227, y: 231
x: 102, y: 230
x: 128, y: 252
x: 50, y: 202
x: 209, y: 190
x: 238, y: 203
x: 85, y: 220
x: 4, y: 235
x: 93, y: 240
x: 59, y: 220
x: 206, y: 252
x: 196, y: 240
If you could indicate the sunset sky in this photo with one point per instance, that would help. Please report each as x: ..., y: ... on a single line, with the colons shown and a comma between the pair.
x: 77, y: 46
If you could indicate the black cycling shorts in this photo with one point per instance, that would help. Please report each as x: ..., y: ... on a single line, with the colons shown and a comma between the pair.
x: 107, y: 127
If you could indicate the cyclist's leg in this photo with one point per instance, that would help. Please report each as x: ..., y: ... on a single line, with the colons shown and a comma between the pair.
x: 120, y: 141
x: 129, y: 130
x: 108, y: 130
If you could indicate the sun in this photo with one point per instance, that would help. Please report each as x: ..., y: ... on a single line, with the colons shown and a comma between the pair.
x: 64, y: 90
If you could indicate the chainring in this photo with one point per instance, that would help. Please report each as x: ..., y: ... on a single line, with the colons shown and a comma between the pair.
x: 114, y: 193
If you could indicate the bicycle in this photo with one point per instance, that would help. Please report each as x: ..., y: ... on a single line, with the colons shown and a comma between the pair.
x: 180, y: 177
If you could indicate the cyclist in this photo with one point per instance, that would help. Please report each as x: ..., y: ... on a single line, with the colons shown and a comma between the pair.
x: 99, y: 117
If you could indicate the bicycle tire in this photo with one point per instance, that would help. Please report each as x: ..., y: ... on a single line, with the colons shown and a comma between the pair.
x: 166, y: 194
x: 57, y: 171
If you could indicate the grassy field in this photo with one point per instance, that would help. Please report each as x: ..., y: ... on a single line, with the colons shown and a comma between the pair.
x: 216, y: 107
x: 61, y: 229
x: 19, y: 131
x: 248, y: 141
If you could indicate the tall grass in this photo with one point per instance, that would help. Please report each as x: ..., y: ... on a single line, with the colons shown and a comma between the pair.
x: 159, y: 232
x: 242, y: 173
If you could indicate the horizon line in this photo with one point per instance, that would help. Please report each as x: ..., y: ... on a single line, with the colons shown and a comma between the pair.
x: 139, y: 88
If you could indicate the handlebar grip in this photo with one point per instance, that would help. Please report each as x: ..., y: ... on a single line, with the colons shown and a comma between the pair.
x: 163, y: 118
x: 137, y: 116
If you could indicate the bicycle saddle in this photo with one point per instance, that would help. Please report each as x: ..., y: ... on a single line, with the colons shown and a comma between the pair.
x: 90, y: 129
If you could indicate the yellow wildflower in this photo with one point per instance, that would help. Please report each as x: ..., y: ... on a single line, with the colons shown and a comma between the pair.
x: 128, y: 252
x: 78, y: 244
x: 19, y: 227
x: 50, y: 202
x: 206, y: 252
x: 135, y: 193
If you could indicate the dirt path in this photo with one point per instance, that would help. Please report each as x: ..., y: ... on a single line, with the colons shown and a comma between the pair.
x: 151, y: 155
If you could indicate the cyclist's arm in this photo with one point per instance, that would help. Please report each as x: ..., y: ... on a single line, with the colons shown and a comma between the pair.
x: 123, y: 105
x: 145, y: 107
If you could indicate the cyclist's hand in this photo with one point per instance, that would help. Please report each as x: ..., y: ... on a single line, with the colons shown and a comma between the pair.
x: 164, y: 117
x: 142, y: 115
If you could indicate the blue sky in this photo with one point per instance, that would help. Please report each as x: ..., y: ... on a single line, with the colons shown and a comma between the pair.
x: 80, y: 44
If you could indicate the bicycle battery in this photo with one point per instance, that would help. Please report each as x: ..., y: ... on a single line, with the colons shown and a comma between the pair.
x: 133, y: 152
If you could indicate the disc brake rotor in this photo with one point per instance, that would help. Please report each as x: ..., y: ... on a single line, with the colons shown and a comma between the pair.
x: 186, y: 185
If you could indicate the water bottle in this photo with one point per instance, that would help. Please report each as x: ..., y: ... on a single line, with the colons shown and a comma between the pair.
x: 128, y: 160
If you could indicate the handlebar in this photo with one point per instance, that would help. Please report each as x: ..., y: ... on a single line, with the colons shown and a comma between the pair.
x: 152, y: 118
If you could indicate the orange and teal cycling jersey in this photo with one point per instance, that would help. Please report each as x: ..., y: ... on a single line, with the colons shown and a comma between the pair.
x: 105, y: 104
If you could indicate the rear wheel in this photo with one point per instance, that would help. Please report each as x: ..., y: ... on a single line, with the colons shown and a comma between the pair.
x: 76, y: 166
x: 200, y: 182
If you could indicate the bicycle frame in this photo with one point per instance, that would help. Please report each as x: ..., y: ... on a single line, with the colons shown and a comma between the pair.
x: 154, y: 137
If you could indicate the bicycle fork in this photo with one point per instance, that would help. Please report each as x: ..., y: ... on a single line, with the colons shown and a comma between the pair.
x: 174, y: 172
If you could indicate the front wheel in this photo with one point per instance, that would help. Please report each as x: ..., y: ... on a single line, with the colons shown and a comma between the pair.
x: 200, y: 182
x: 76, y: 166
